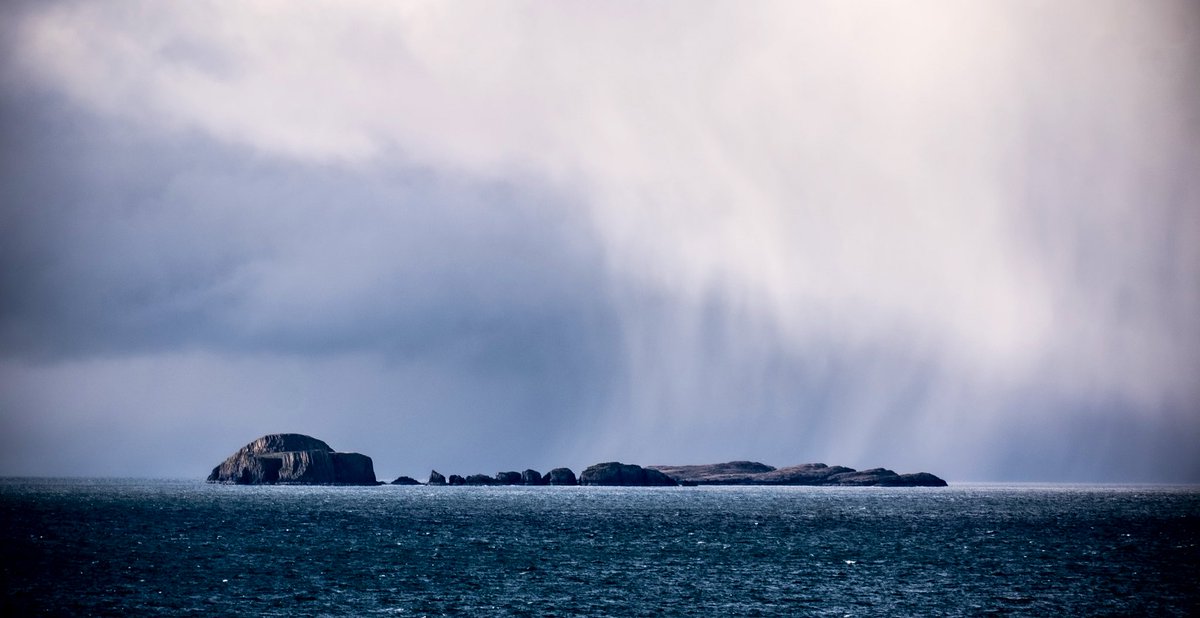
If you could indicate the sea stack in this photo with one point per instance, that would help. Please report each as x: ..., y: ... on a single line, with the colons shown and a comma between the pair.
x: 293, y: 459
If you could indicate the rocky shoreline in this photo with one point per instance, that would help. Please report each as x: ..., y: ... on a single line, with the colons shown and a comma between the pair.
x: 297, y: 459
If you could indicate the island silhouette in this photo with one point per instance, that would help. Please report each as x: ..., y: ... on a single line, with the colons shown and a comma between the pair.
x: 297, y: 459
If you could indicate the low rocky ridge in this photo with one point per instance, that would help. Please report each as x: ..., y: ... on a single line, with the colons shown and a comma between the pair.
x: 293, y: 459
x: 615, y: 473
x: 754, y: 473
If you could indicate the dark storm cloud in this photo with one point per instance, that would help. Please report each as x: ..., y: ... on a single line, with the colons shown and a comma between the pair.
x: 119, y: 243
x: 952, y: 238
x: 119, y: 246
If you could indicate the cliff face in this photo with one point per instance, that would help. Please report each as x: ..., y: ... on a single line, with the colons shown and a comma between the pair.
x: 353, y: 469
x: 292, y: 458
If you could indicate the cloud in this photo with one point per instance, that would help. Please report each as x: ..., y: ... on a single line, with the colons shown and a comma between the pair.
x: 958, y: 219
x: 165, y: 297
x: 142, y: 244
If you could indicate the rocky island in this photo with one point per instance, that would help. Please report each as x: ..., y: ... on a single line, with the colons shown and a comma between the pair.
x: 293, y: 459
x: 617, y: 474
x: 297, y: 459
x: 755, y: 473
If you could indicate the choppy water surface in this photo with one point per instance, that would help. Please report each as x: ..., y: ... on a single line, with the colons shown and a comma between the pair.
x: 184, y: 547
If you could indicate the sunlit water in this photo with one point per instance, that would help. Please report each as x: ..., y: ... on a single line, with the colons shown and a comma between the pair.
x: 187, y: 548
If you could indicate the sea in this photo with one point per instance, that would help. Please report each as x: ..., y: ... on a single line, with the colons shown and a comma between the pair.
x: 77, y: 547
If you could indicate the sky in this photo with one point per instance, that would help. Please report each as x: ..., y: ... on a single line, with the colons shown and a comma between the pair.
x: 958, y: 238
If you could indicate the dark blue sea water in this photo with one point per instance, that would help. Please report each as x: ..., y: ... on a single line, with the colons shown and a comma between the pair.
x: 172, y: 548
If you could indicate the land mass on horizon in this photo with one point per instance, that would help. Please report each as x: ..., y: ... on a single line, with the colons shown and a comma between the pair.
x: 297, y: 459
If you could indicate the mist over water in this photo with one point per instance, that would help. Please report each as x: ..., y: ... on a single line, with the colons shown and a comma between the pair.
x: 957, y: 239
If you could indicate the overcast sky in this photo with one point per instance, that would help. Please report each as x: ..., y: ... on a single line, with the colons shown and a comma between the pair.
x: 954, y: 237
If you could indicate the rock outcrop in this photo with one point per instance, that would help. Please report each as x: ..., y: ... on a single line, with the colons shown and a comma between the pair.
x: 353, y: 469
x: 915, y: 479
x: 754, y: 473
x: 435, y: 478
x: 406, y: 480
x: 480, y: 479
x: 509, y: 478
x: 293, y: 459
x: 532, y: 477
x: 730, y: 473
x: 624, y: 475
x: 457, y: 480
x: 561, y: 476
